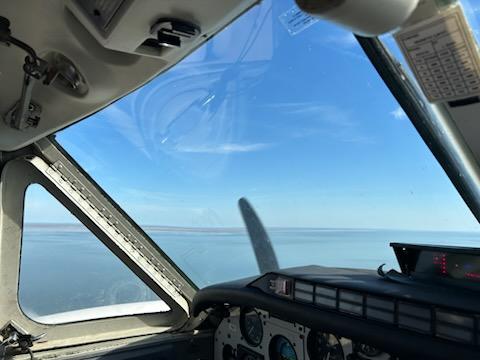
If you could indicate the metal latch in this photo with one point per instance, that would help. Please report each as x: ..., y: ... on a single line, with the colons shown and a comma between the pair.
x: 16, y: 341
x: 174, y: 32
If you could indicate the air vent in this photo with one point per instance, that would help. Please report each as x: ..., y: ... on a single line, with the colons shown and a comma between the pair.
x: 350, y: 302
x: 303, y: 292
x: 326, y: 296
x: 380, y: 309
x: 437, y: 322
x: 455, y: 326
x: 414, y: 317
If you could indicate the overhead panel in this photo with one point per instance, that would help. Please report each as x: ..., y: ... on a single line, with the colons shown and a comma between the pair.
x: 162, y: 29
x: 110, y: 47
x: 100, y: 12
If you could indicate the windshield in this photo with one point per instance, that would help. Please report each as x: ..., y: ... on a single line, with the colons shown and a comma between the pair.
x: 290, y: 115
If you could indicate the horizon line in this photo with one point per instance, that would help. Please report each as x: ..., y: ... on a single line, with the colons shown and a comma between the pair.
x: 243, y: 229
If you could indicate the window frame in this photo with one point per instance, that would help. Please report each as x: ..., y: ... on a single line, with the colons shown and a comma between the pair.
x: 53, y: 315
x: 17, y: 175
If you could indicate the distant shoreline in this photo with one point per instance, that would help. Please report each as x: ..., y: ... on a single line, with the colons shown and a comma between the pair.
x: 185, y: 229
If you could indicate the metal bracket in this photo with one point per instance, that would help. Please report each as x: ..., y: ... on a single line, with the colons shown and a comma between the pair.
x: 14, y: 339
x: 58, y: 70
x: 25, y: 113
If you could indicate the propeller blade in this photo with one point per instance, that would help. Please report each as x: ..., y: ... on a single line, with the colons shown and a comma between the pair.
x: 266, y: 258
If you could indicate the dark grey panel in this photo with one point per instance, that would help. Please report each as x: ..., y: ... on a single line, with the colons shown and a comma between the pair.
x: 185, y: 347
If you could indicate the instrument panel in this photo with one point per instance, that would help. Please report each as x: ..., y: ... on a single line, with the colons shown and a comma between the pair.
x: 254, y: 334
x: 309, y: 307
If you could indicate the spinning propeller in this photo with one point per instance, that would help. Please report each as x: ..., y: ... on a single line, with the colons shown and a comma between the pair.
x: 262, y: 246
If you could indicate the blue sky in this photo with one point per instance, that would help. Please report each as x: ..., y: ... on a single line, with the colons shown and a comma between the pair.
x: 299, y: 124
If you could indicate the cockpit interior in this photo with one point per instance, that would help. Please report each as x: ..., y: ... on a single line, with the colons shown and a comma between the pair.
x: 239, y: 179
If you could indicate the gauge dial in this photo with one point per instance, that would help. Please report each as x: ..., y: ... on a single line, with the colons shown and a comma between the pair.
x: 251, y: 326
x: 281, y: 349
x: 321, y: 346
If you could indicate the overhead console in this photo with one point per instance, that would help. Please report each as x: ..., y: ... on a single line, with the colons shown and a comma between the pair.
x: 89, y: 53
x: 154, y: 28
x: 404, y: 314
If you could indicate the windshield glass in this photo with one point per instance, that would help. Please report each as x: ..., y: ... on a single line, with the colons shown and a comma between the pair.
x: 292, y: 117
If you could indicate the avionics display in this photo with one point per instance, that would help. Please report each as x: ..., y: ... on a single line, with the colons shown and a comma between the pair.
x: 439, y: 262
x: 447, y: 265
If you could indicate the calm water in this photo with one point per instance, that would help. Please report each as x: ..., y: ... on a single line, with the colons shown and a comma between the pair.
x: 66, y: 268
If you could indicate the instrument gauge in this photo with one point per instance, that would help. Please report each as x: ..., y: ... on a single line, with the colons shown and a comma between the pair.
x: 251, y: 326
x: 281, y: 349
x: 322, y: 346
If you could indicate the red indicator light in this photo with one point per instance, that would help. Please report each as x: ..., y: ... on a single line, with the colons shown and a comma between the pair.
x: 440, y: 260
x: 472, y: 275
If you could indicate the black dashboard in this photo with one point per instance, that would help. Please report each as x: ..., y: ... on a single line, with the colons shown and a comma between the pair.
x: 345, y: 313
